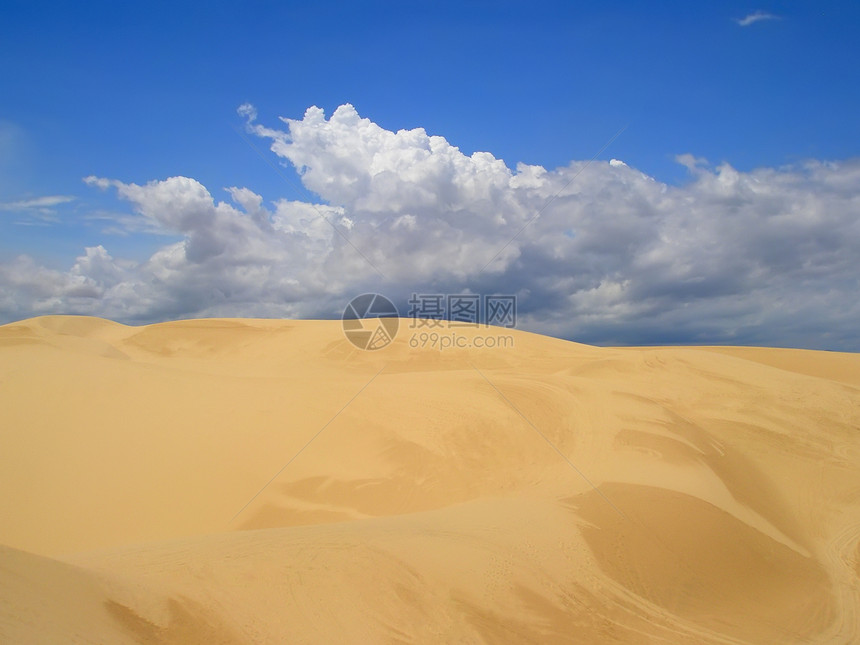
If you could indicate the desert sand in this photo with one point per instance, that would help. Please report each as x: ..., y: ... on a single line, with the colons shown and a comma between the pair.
x: 263, y: 481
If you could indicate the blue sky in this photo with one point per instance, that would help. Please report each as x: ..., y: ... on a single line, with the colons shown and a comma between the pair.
x: 143, y: 92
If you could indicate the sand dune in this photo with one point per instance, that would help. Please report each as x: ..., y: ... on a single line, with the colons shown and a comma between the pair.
x: 548, y: 492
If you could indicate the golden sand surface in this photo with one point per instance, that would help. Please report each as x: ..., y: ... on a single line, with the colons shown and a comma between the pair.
x: 264, y: 481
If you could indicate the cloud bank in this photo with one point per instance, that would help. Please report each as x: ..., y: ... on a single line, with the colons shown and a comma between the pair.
x: 597, y: 252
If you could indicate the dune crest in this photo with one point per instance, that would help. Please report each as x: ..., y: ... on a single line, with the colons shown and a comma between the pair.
x: 249, y: 481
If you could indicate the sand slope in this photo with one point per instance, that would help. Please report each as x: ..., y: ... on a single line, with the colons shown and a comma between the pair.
x: 545, y: 492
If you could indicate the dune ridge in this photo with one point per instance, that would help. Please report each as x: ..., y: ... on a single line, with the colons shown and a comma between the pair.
x: 545, y: 492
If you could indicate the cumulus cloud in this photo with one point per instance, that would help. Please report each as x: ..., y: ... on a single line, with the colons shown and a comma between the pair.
x: 595, y: 251
x: 756, y: 16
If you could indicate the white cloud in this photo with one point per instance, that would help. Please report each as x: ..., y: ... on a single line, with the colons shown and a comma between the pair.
x: 691, y: 162
x: 36, y: 203
x: 123, y: 224
x: 247, y: 111
x: 767, y: 256
x: 37, y: 211
x: 755, y: 17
